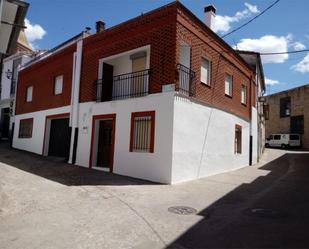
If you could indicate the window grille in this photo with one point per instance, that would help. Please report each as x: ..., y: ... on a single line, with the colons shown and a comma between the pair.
x: 142, y: 132
x: 25, y: 128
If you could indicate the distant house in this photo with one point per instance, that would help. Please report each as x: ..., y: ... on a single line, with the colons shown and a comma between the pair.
x: 159, y: 97
x: 12, y: 15
x: 254, y: 60
x: 288, y: 112
x: 8, y: 83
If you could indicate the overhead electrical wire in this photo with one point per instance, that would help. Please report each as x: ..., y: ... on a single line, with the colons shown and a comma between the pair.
x: 246, y: 23
x: 287, y: 52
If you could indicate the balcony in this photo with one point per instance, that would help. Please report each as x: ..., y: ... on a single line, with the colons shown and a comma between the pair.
x: 124, y: 86
x: 186, y: 83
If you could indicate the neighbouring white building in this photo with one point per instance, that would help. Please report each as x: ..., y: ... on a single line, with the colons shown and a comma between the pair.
x: 255, y: 61
x: 8, y: 83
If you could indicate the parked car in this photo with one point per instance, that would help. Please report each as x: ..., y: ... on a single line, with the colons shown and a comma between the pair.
x: 283, y: 140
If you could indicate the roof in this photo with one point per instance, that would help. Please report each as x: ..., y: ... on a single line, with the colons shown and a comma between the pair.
x: 22, y: 40
x: 288, y: 90
x: 176, y: 3
x: 216, y: 36
x: 56, y: 49
x: 257, y: 63
x: 12, y: 15
x: 196, y: 19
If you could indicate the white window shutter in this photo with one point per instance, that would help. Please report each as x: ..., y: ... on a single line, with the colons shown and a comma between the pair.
x: 205, y: 71
x: 58, y: 84
x: 29, y: 94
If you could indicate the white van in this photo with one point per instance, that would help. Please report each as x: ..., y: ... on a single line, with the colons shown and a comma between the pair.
x: 283, y: 140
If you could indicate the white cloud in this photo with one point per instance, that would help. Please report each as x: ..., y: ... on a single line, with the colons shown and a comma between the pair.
x: 223, y: 23
x: 252, y: 8
x: 303, y: 65
x: 34, y: 32
x: 267, y: 44
x: 271, y: 82
x: 298, y: 46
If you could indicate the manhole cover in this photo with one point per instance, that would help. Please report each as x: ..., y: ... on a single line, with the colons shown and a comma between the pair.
x: 182, y: 210
x: 265, y: 212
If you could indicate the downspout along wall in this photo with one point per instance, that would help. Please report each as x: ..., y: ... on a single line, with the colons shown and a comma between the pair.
x: 77, y: 61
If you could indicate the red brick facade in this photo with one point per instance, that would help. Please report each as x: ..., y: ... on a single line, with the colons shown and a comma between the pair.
x: 157, y: 29
x: 204, y: 44
x: 41, y: 76
x: 162, y: 29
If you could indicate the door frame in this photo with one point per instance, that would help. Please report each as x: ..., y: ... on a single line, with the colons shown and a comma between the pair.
x: 47, y: 130
x: 96, y: 118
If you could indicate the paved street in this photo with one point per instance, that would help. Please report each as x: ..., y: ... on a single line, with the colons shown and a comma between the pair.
x: 45, y: 203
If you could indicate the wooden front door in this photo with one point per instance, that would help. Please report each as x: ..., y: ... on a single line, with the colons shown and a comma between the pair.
x: 5, y: 122
x: 59, y: 138
x: 105, y: 143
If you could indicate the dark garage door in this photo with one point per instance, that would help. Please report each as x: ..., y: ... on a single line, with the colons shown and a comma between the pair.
x: 59, y: 139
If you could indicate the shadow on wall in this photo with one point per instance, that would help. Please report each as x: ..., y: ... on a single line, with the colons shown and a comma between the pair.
x: 67, y: 174
x: 272, y: 211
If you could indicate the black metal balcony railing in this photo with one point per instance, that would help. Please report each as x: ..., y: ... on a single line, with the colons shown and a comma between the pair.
x: 129, y: 85
x: 186, y: 83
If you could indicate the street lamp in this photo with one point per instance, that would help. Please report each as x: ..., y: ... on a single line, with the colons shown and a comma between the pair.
x: 9, y: 74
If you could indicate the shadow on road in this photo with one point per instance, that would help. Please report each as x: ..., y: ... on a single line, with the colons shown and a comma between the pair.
x: 270, y: 212
x: 67, y: 174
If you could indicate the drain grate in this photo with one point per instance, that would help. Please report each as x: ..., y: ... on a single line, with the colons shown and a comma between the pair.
x: 182, y: 210
x: 265, y: 213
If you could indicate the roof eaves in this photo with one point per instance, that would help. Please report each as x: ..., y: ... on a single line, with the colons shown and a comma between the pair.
x: 18, y: 23
x: 54, y: 50
x: 287, y: 90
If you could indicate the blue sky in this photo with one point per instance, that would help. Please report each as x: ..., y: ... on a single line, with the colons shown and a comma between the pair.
x: 284, y: 27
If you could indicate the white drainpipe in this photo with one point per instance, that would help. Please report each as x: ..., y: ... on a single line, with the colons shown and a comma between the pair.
x: 77, y: 63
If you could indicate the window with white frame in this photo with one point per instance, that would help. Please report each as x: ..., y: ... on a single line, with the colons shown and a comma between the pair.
x: 228, y: 84
x: 205, y: 71
x: 58, y: 84
x: 244, y: 94
x: 29, y: 94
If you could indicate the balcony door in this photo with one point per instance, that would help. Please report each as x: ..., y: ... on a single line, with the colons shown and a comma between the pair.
x: 139, y: 82
x: 107, y: 82
x: 184, y: 68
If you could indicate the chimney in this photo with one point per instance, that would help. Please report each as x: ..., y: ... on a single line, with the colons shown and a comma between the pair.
x: 100, y: 26
x: 210, y: 14
x: 87, y: 30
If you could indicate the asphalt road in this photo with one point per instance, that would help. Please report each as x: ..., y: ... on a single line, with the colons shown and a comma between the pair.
x: 45, y: 203
x: 270, y: 212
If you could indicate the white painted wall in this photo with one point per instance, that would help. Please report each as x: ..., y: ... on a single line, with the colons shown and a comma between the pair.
x: 151, y: 166
x: 203, y: 141
x: 35, y: 144
x: 254, y: 119
x: 5, y: 82
x: 122, y: 62
x: 75, y: 93
x: 8, y: 65
x: 192, y: 140
x: 260, y: 115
